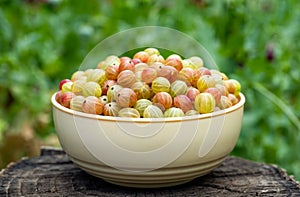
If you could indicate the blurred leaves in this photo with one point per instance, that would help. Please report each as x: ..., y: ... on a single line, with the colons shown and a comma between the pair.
x: 286, y: 109
x: 255, y: 42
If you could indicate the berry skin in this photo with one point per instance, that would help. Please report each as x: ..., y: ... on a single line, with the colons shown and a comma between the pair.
x: 92, y: 105
x: 78, y: 86
x: 152, y: 51
x: 91, y: 89
x: 62, y: 82
x: 126, y: 64
x: 196, y: 61
x: 224, y: 103
x: 142, y: 55
x: 112, y: 92
x: 183, y: 102
x: 111, y: 109
x: 173, y: 112
x: 129, y: 113
x: 178, y: 87
x: 163, y: 100
x: 76, y: 103
x: 112, y: 72
x: 67, y: 87
x: 155, y: 58
x: 58, y: 96
x: 153, y: 111
x: 126, y: 97
x: 97, y: 75
x: 160, y: 84
x: 216, y: 93
x: 186, y: 75
x: 148, y: 75
x: 174, y: 62
x: 204, y: 82
x: 106, y: 85
x: 126, y: 78
x: 169, y: 73
x: 204, y: 103
x: 192, y: 93
x: 77, y: 75
x: 142, y: 90
x: 191, y: 112
x: 140, y: 67
x: 142, y: 104
x: 66, y: 99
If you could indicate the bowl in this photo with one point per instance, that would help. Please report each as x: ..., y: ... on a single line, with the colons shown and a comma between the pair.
x: 145, y: 152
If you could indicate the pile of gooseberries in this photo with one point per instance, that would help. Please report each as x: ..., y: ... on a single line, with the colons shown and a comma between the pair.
x: 149, y: 86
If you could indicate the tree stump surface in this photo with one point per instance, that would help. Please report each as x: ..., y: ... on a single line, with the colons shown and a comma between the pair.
x: 53, y: 174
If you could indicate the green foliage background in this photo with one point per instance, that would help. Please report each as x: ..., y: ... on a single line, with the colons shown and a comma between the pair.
x: 44, y: 41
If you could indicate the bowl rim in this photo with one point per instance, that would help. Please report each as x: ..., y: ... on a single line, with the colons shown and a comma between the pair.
x: 231, y: 109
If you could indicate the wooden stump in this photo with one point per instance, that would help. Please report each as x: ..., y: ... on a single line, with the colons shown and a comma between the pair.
x: 53, y: 174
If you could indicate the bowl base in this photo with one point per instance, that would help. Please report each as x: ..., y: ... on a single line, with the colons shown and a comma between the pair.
x: 148, y: 185
x: 163, y: 177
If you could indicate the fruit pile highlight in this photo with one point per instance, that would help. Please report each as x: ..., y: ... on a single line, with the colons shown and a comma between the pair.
x: 150, y: 86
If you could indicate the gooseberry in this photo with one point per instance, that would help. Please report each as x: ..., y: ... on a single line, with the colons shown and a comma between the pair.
x: 183, y: 102
x: 112, y: 92
x: 224, y: 103
x: 152, y: 51
x: 76, y: 103
x: 66, y: 99
x: 192, y: 93
x: 196, y: 61
x: 163, y: 100
x: 142, y: 55
x: 191, y: 112
x: 111, y: 109
x: 204, y: 82
x: 169, y: 73
x: 126, y: 97
x: 173, y: 112
x: 204, y: 103
x: 126, y: 64
x: 160, y: 84
x: 126, y: 78
x: 178, y: 87
x: 62, y: 82
x: 67, y: 87
x: 97, y: 75
x: 215, y: 92
x: 148, y: 75
x: 92, y: 105
x: 112, y: 72
x: 174, y: 62
x: 91, y: 88
x: 142, y: 104
x: 107, y: 84
x: 129, y: 113
x: 142, y: 90
x: 152, y: 111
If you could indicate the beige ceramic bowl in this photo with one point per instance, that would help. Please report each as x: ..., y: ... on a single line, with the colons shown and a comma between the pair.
x: 142, y: 152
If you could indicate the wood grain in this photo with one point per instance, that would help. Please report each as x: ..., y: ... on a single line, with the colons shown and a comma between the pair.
x: 53, y: 174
